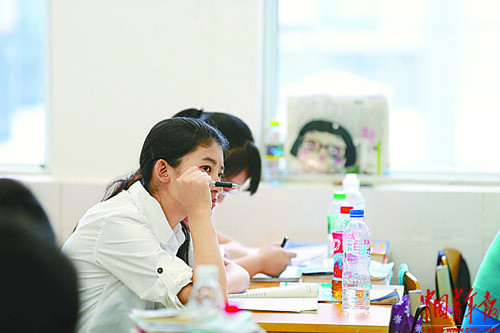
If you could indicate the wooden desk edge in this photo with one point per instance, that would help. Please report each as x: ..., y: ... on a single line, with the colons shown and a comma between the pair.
x: 320, y: 328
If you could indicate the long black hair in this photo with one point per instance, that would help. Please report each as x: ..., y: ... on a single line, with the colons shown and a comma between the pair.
x: 329, y: 127
x: 242, y: 154
x: 170, y: 140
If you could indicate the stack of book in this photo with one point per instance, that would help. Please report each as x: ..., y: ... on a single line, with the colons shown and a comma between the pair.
x: 380, y: 251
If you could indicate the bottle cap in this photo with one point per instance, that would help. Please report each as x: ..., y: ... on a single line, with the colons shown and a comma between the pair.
x: 345, y: 209
x: 339, y: 195
x: 350, y: 181
x: 357, y: 213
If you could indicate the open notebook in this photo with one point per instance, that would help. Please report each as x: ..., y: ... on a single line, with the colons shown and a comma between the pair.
x: 294, y: 298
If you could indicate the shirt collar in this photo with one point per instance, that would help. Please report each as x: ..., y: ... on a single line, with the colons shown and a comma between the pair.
x: 151, y: 209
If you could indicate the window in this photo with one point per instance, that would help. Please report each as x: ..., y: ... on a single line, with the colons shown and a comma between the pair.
x: 22, y: 84
x: 438, y: 59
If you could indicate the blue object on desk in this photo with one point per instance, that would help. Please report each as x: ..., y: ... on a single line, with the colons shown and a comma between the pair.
x: 317, y: 270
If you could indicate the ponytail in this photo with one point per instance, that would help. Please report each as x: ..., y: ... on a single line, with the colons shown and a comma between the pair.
x: 121, y: 184
x: 183, y: 252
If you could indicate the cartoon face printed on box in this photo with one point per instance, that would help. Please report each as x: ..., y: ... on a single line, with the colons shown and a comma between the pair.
x: 324, y: 147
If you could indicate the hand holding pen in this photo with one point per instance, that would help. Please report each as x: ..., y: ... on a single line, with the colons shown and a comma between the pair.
x: 224, y: 184
x: 283, y: 243
x: 274, y: 258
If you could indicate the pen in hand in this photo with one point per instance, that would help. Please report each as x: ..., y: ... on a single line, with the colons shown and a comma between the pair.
x: 225, y: 184
x: 283, y: 243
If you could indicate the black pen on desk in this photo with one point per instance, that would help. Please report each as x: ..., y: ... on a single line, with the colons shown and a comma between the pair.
x: 225, y: 184
x: 283, y: 243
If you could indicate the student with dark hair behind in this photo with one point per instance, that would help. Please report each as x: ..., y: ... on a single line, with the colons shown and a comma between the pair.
x: 18, y: 200
x: 243, y: 166
x: 39, y: 292
x: 39, y: 284
x: 127, y: 248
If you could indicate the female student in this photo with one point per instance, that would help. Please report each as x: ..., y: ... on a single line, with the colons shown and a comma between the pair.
x: 125, y: 248
x: 243, y: 167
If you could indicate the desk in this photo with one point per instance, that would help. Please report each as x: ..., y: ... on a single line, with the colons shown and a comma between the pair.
x: 329, y: 318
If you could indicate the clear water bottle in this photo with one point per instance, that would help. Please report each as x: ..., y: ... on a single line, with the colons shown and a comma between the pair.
x: 206, y: 298
x: 356, y: 263
x: 350, y: 185
x: 333, y: 215
x: 274, y: 161
x: 338, y: 232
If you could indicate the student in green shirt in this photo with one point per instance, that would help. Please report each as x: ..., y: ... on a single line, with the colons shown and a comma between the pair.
x: 485, y: 305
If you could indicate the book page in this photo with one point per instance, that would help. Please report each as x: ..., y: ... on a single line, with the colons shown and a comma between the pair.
x: 275, y: 304
x: 299, y: 290
x: 386, y: 294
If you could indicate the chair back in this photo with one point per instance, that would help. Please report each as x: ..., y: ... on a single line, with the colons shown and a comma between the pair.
x: 439, y: 316
x: 407, y: 279
x: 410, y: 282
x: 458, y: 279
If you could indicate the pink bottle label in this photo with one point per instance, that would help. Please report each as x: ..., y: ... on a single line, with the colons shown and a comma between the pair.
x: 337, y: 254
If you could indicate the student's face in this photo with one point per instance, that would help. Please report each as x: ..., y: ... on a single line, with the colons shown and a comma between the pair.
x: 208, y: 159
x: 238, y: 179
x: 322, y: 152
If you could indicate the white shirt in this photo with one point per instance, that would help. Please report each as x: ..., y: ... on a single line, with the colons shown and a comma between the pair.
x: 124, y: 251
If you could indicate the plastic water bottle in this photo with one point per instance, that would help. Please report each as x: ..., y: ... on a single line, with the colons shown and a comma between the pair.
x: 274, y: 160
x: 206, y: 298
x: 356, y: 274
x: 338, y: 232
x: 333, y: 215
x: 353, y: 196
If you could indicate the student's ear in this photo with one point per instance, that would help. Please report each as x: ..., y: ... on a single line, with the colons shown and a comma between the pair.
x: 162, y: 171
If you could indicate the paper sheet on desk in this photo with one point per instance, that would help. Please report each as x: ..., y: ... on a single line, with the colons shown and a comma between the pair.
x: 307, y: 253
x: 291, y: 273
x: 288, y: 304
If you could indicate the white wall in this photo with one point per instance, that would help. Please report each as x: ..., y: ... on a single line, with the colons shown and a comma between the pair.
x: 117, y: 67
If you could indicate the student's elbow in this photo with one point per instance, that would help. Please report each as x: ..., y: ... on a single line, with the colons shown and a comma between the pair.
x: 238, y: 279
x: 184, y: 293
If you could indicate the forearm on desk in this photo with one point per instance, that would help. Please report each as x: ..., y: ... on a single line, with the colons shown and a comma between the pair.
x: 252, y: 263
